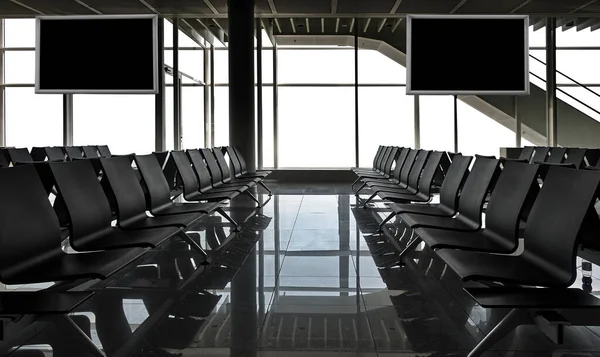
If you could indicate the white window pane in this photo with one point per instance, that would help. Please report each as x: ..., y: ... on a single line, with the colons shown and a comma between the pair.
x: 19, y: 32
x: 168, y: 33
x: 221, y: 123
x: 192, y: 117
x: 191, y: 62
x: 33, y: 119
x: 437, y: 122
x: 579, y: 65
x: 316, y: 66
x: 20, y: 67
x: 386, y: 117
x: 123, y: 122
x: 169, y: 142
x: 268, y: 152
x: 574, y: 38
x: 316, y: 127
x: 537, y: 38
x: 221, y: 66
x: 267, y: 66
x: 480, y: 134
x: 375, y: 67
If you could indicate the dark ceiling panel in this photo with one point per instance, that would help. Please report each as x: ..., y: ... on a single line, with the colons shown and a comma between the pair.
x: 429, y: 6
x: 262, y: 6
x: 362, y: 6
x: 489, y: 7
x: 11, y: 9
x: 118, y: 6
x: 303, y: 7
x: 180, y: 6
x: 58, y: 7
x: 220, y: 5
x: 550, y: 6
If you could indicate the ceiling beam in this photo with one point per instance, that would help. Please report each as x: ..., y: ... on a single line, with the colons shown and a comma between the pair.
x: 380, y: 27
x: 367, y: 25
x: 396, y: 6
x: 595, y: 27
x: 337, y: 24
x: 334, y: 6
x: 307, y: 26
x: 272, y: 6
x: 585, y: 5
x: 211, y: 6
x: 143, y: 2
x: 343, y: 15
x: 352, y: 24
x: 293, y: 25
x: 278, y: 26
x: 520, y: 6
x: 220, y: 27
x: 458, y: 6
x: 396, y: 25
x: 322, y: 25
x: 585, y: 23
x: 27, y: 7
x: 92, y: 9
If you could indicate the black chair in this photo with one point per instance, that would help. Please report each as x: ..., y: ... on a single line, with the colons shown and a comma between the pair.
x: 386, y: 168
x: 392, y: 181
x: 376, y: 160
x: 244, y: 169
x: 449, y: 193
x: 74, y: 153
x: 576, y: 157
x: 226, y: 176
x: 30, y: 238
x: 90, y: 215
x: 19, y: 155
x: 55, y: 154
x: 91, y: 152
x: 540, y: 154
x: 526, y: 153
x: 237, y: 171
x: 104, y: 151
x: 557, y: 155
x: 205, y: 176
x: 513, y: 196
x: 216, y: 173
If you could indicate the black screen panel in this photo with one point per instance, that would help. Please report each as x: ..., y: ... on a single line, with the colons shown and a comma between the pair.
x: 468, y: 55
x: 97, y: 54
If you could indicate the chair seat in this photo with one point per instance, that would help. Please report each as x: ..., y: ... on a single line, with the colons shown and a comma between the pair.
x: 500, y: 268
x: 212, y: 197
x: 449, y: 223
x: 41, y: 302
x: 481, y: 241
x: 179, y: 208
x: 245, y: 180
x: 226, y: 189
x: 402, y: 197
x: 432, y: 209
x: 181, y: 220
x: 119, y: 238
x: 373, y: 175
x: 517, y: 297
x: 95, y: 265
x: 261, y: 174
x: 383, y: 183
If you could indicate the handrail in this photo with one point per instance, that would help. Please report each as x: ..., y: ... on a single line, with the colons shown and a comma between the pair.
x: 567, y: 77
x: 567, y: 94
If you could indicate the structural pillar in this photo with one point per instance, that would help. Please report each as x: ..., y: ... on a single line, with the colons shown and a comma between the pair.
x: 356, y: 120
x: 518, y: 129
x: 456, y: 124
x: 68, y: 119
x: 417, y: 114
x: 2, y: 89
x: 242, y: 128
x: 207, y: 104
x: 259, y: 96
x: 159, y: 101
x: 551, y: 103
x: 176, y: 88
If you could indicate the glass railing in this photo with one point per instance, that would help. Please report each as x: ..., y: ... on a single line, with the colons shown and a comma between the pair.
x: 570, y: 91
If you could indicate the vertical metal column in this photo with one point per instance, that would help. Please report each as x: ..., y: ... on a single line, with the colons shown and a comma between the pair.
x: 176, y: 88
x: 242, y: 128
x: 356, y: 123
x: 518, y: 119
x: 455, y: 123
x: 275, y: 109
x: 259, y: 96
x: 417, y: 113
x: 207, y: 142
x: 551, y: 103
x: 159, y: 99
x: 2, y: 89
x: 212, y: 96
x: 68, y: 119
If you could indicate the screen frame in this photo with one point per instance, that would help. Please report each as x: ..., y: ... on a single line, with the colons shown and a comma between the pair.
x: 154, y: 89
x: 409, y: 89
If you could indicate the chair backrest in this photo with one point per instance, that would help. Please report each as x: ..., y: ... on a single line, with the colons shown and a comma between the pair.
x: 29, y: 228
x: 87, y: 207
x: 540, y: 154
x: 91, y: 152
x: 515, y: 189
x: 124, y: 183
x: 400, y: 163
x: 526, y: 153
x: 408, y: 164
x: 19, y: 155
x: 387, y: 166
x: 432, y: 166
x: 222, y: 162
x: 385, y: 152
x: 55, y: 153
x: 576, y: 156
x: 159, y: 192
x: 104, y: 151
x: 201, y: 169
x: 377, y: 155
x: 557, y: 155
x: 240, y: 159
x: 482, y: 178
x: 454, y: 181
x: 236, y: 166
x: 213, y: 166
x: 74, y: 152
x: 556, y: 218
x: 185, y: 172
x: 417, y: 169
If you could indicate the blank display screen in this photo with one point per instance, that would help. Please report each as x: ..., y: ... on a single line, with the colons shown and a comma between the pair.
x: 468, y: 55
x: 97, y: 55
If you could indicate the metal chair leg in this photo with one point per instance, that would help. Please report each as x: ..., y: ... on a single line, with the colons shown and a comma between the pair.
x: 222, y: 212
x: 514, y: 318
x: 265, y: 187
x: 195, y: 246
x: 364, y: 203
x: 386, y: 220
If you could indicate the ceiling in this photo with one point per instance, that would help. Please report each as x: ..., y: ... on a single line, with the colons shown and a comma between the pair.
x: 301, y: 8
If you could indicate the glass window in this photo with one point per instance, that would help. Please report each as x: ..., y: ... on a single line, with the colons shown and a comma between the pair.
x: 437, y: 122
x: 537, y: 38
x: 579, y: 65
x: 221, y: 66
x: 316, y: 66
x: 19, y: 33
x: 375, y: 67
x: 316, y: 127
x: 574, y: 38
x: 123, y: 122
x: 589, y: 96
x: 191, y: 62
x: 192, y: 117
x: 386, y: 117
x: 19, y: 67
x: 221, y: 124
x: 480, y: 134
x: 33, y: 119
x: 169, y: 142
x: 268, y: 152
x: 267, y: 66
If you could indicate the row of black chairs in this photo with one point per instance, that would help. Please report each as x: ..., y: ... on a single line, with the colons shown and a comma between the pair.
x: 534, y: 226
x: 574, y: 156
x: 12, y: 155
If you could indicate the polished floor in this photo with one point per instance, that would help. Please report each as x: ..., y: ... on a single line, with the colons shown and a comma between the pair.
x: 298, y: 280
